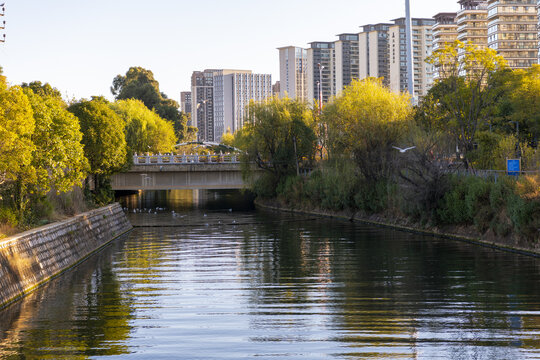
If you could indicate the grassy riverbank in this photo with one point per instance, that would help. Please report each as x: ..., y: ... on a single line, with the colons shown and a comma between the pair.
x: 465, y: 234
x: 502, y: 211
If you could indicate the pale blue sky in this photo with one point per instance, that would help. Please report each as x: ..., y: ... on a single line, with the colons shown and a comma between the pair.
x: 79, y: 46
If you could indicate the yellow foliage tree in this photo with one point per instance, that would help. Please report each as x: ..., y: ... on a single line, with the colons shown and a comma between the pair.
x: 16, y: 146
x: 365, y: 122
x: 145, y: 130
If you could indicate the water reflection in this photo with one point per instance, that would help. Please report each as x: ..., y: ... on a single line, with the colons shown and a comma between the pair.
x: 221, y: 284
x: 81, y: 314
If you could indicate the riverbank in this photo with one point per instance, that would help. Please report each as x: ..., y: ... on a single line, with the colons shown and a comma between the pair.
x: 31, y: 258
x: 465, y: 234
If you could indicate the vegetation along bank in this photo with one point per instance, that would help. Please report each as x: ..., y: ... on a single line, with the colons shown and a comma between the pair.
x: 438, y: 166
x: 56, y: 156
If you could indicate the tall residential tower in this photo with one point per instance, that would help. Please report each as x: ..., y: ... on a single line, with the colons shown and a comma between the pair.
x: 346, y: 59
x: 471, y: 20
x: 513, y: 32
x: 422, y: 48
x: 293, y: 73
x: 220, y: 98
x: 374, y: 52
x: 321, y: 71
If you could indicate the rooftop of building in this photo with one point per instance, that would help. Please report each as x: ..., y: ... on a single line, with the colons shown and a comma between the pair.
x: 473, y: 4
x: 289, y: 47
x: 375, y: 27
x: 415, y: 21
x: 348, y: 36
x: 445, y: 15
x: 322, y: 44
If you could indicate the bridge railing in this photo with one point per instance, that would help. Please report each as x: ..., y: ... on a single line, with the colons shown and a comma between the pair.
x: 185, y: 159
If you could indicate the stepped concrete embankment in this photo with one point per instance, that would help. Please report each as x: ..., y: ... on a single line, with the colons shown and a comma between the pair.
x: 30, y: 259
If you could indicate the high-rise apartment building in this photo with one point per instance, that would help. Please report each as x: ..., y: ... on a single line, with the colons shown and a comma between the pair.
x: 202, y: 104
x: 445, y: 29
x: 293, y: 73
x: 374, y: 52
x: 422, y: 46
x: 346, y: 51
x: 185, y: 102
x: 513, y: 32
x: 321, y: 71
x: 471, y: 20
x: 233, y: 97
x: 220, y: 98
x: 538, y: 7
x: 444, y: 33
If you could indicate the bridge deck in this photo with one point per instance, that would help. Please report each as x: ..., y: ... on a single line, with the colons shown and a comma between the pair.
x: 171, y: 176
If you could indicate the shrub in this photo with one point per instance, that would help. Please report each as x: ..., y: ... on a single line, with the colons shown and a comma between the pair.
x: 525, y: 216
x: 265, y: 186
x: 334, y: 185
x: 374, y: 196
x: 292, y: 190
x: 9, y: 216
x: 528, y: 187
x: 453, y: 207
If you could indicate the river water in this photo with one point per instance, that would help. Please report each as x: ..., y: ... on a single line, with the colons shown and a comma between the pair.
x: 218, y: 280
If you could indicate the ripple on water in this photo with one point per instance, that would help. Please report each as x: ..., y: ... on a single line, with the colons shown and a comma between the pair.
x: 276, y: 288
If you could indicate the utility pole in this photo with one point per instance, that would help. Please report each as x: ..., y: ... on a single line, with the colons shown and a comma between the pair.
x: 3, y: 23
x: 408, y: 35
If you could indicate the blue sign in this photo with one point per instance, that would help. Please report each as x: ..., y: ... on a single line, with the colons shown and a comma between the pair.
x: 513, y: 167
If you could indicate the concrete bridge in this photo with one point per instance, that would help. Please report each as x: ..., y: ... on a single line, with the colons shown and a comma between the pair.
x: 171, y: 172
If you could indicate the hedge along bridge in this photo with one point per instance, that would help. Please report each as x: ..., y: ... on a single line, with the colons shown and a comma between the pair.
x: 171, y: 172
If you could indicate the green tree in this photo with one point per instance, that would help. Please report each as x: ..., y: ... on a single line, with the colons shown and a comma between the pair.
x: 139, y: 83
x: 278, y: 138
x: 104, y: 142
x: 145, y: 130
x: 16, y: 147
x: 520, y: 104
x: 464, y: 96
x: 58, y: 158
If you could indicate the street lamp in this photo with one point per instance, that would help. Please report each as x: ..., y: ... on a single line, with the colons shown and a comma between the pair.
x: 319, y: 83
x: 202, y: 123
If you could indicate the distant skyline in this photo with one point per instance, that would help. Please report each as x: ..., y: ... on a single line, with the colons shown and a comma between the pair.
x: 79, y: 47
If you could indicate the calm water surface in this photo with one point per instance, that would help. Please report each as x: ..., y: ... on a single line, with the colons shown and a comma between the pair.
x: 217, y: 280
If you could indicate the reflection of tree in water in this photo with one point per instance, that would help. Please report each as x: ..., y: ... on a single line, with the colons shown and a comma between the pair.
x: 82, y: 313
x: 391, y: 291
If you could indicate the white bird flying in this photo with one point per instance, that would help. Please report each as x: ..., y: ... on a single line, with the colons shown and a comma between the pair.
x: 404, y: 150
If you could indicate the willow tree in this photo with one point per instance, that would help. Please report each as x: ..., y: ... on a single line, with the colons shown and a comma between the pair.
x: 365, y: 122
x: 277, y: 137
x: 463, y: 94
x: 145, y: 130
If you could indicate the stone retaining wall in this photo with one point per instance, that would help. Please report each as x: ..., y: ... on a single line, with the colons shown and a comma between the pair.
x: 29, y: 259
